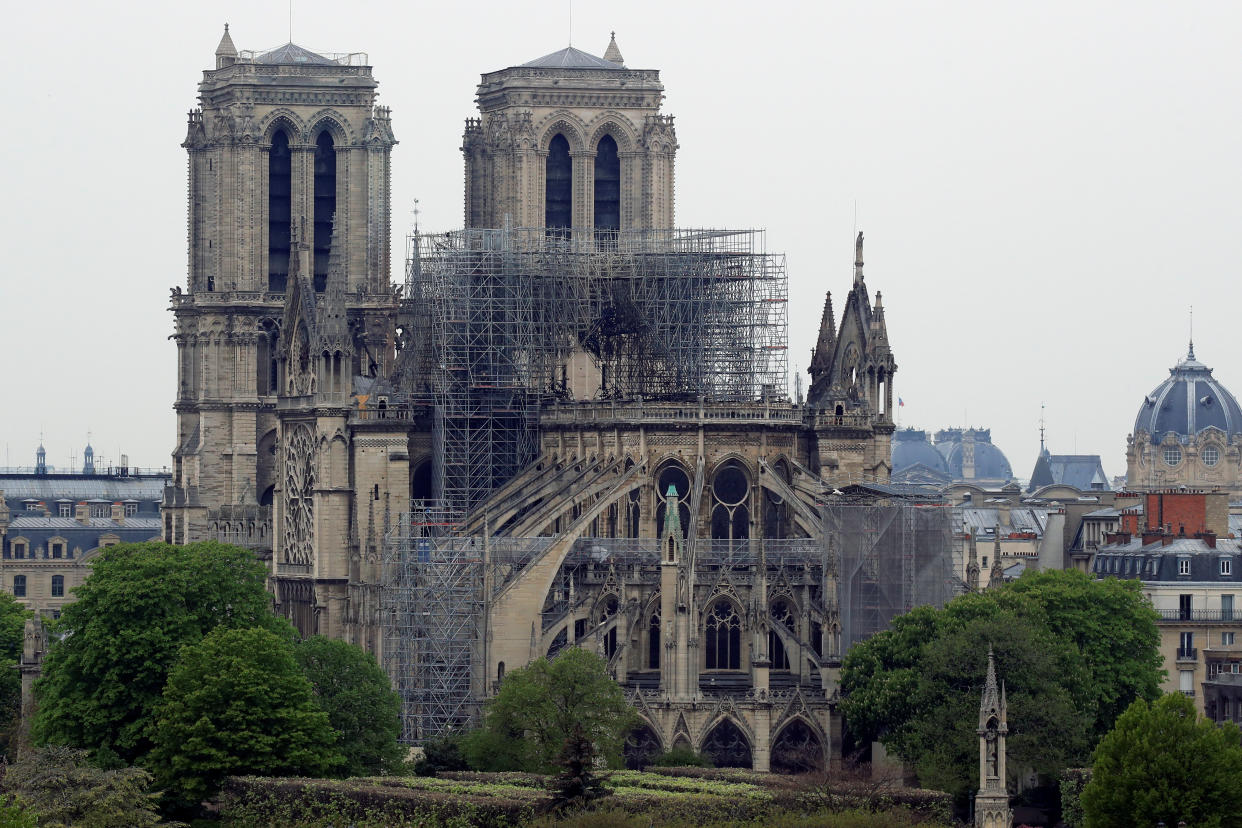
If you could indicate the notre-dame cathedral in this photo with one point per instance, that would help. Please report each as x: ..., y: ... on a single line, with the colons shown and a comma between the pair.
x: 572, y: 396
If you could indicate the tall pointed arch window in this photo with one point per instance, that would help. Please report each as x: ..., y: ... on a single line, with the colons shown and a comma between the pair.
x: 325, y: 204
x: 279, y: 211
x: 607, y: 189
x: 558, y: 215
x: 723, y: 637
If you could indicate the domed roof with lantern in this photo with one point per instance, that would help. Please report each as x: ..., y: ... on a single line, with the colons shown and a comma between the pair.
x: 1189, y: 402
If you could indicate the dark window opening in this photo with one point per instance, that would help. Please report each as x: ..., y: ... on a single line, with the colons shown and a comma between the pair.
x: 607, y: 189
x: 653, y: 643
x: 58, y: 586
x: 559, y: 187
x: 724, y: 637
x: 421, y: 482
x: 325, y: 205
x: 279, y: 211
x: 19, y: 586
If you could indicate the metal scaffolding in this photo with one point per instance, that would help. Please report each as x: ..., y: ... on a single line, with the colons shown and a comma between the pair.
x: 503, y: 318
x: 431, y: 605
x: 874, y: 562
x: 890, y: 558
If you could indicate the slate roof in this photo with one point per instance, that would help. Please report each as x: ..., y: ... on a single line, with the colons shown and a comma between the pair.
x: 52, y: 487
x: 1188, y: 402
x: 1084, y: 472
x: 571, y: 58
x: 1159, y: 562
x: 982, y: 521
x: 292, y: 53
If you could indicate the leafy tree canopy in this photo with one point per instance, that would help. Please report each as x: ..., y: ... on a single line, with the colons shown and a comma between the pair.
x: 361, y: 705
x: 13, y: 617
x: 917, y: 686
x: 540, y: 706
x: 141, y: 604
x: 59, y: 786
x: 238, y: 703
x: 1164, y: 763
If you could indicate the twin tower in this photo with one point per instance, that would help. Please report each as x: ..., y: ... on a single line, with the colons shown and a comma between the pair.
x: 290, y: 219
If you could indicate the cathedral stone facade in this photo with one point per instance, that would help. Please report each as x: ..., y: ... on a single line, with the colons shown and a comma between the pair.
x: 678, y: 532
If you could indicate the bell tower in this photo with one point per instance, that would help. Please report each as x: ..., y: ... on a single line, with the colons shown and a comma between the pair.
x: 279, y: 138
x: 571, y: 141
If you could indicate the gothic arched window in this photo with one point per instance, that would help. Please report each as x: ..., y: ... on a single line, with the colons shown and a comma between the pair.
x: 325, y: 204
x: 730, y: 515
x: 559, y: 187
x: 723, y: 637
x: 607, y: 189
x: 782, y: 615
x: 279, y: 211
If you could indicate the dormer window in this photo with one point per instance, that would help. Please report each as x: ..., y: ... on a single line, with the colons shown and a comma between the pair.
x: 1226, y: 566
x: 1183, y: 566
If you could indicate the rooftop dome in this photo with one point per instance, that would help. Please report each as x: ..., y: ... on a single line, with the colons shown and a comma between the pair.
x: 911, y: 446
x: 990, y: 462
x: 1187, y: 403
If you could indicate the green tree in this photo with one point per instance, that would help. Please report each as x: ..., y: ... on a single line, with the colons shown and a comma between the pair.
x: 1114, y: 628
x: 538, y: 708
x: 1164, y: 763
x: 141, y: 604
x: 13, y: 617
x: 237, y: 703
x: 916, y: 687
x: 59, y: 786
x: 361, y: 705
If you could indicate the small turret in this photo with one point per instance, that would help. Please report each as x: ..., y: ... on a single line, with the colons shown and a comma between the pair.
x: 226, y: 52
x: 41, y: 460
x: 88, y: 460
x: 613, y: 53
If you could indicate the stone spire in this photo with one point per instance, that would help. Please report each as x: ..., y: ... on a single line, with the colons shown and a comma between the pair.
x: 992, y: 800
x: 972, y: 566
x: 821, y: 356
x: 996, y: 576
x: 671, y: 541
x: 879, y: 331
x: 613, y: 53
x: 226, y: 52
x: 333, y: 325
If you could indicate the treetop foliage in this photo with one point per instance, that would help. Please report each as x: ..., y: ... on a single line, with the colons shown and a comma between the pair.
x: 1162, y: 762
x: 540, y: 706
x: 238, y: 703
x: 142, y: 603
x: 1072, y: 652
x: 361, y: 705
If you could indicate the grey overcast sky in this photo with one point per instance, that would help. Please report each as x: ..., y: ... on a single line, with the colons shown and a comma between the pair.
x: 1046, y: 188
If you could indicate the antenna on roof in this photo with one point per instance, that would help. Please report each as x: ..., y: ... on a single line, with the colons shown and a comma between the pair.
x: 290, y: 21
x: 1192, y: 332
x: 1041, y: 428
x: 571, y: 22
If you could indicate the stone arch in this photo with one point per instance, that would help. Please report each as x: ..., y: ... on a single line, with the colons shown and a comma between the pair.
x: 335, y: 123
x: 563, y: 123
x: 798, y: 747
x: 642, y: 744
x: 293, y: 125
x: 728, y: 743
x: 614, y: 124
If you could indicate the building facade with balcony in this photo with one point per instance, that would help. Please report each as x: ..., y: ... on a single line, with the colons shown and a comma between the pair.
x: 1192, y: 578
